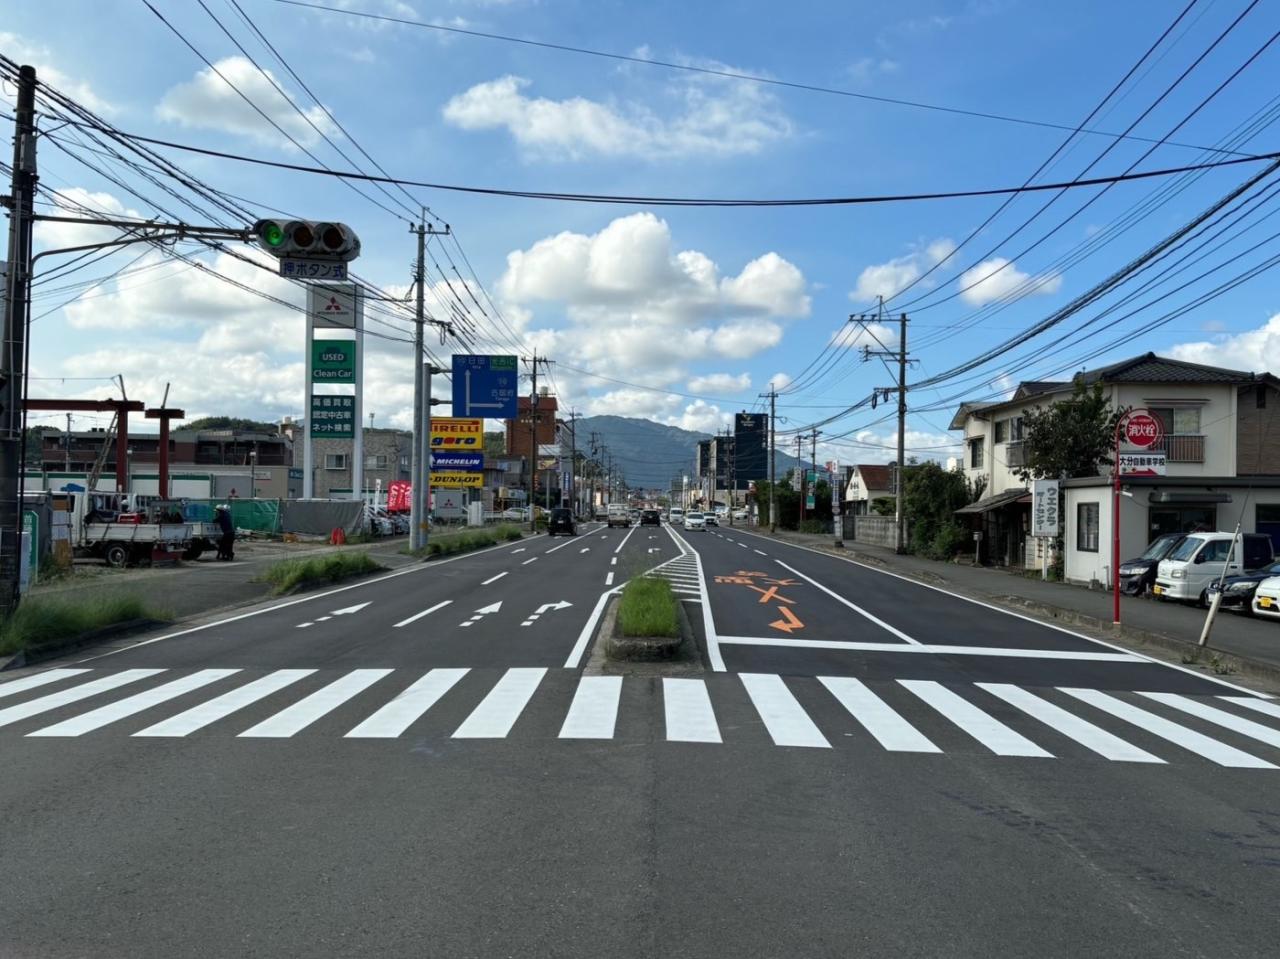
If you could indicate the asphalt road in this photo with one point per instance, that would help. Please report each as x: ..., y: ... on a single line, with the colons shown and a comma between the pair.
x: 425, y: 764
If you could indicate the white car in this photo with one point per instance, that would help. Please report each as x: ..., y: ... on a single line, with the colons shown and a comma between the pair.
x: 739, y: 514
x: 1266, y: 598
x: 695, y: 521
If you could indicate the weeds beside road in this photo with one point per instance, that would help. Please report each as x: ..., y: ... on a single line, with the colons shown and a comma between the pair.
x: 291, y: 574
x: 47, y: 621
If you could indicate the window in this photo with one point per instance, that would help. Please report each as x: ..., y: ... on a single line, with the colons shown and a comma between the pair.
x: 1180, y: 421
x: 1087, y: 527
x: 376, y: 462
x: 975, y: 453
x: 1002, y: 431
x: 335, y: 461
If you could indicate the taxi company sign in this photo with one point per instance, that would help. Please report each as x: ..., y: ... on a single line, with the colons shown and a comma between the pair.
x: 456, y: 433
x: 1045, y: 514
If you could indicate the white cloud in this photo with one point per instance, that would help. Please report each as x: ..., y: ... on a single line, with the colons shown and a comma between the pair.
x: 867, y: 68
x: 877, y: 336
x: 79, y: 202
x: 17, y: 48
x: 999, y: 277
x: 210, y: 101
x: 779, y: 381
x: 720, y: 383
x: 701, y: 417
x: 870, y: 446
x: 715, y: 117
x: 890, y: 278
x: 1252, y: 351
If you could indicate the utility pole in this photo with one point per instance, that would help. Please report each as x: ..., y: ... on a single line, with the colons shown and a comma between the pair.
x: 21, y: 204
x: 572, y: 496
x: 420, y: 503
x: 533, y: 437
x: 773, y: 462
x: 804, y: 474
x: 900, y: 354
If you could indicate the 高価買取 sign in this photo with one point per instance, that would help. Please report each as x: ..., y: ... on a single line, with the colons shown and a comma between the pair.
x: 333, y: 417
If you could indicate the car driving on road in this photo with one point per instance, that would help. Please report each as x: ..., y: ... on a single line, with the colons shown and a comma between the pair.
x: 650, y: 517
x: 695, y: 521
x: 710, y: 519
x: 560, y: 520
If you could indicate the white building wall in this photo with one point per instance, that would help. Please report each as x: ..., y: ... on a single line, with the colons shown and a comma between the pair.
x: 1217, y: 405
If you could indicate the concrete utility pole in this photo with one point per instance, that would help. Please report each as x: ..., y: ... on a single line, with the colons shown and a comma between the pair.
x: 420, y: 462
x: 804, y: 474
x: 21, y: 204
x: 533, y: 436
x: 773, y: 462
x: 901, y: 355
x: 570, y: 498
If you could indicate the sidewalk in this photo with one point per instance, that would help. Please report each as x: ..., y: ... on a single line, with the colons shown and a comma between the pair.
x: 194, y: 588
x: 1255, y: 643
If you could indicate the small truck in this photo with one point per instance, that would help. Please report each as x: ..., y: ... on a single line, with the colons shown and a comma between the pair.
x: 108, y: 526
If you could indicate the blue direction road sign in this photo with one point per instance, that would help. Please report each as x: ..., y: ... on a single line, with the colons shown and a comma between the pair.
x: 457, y: 462
x: 485, y: 386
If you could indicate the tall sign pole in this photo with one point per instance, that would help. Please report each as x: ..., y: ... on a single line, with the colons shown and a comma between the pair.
x: 420, y: 502
x: 1143, y: 429
x: 21, y: 204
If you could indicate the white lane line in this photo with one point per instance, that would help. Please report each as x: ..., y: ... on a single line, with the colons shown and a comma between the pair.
x: 306, y: 711
x: 399, y: 714
x: 494, y: 579
x: 305, y: 625
x: 890, y: 730
x: 594, y: 710
x: 520, y: 550
x: 73, y: 695
x: 743, y: 545
x: 624, y: 540
x: 853, y: 606
x: 499, y: 710
x: 608, y: 580
x: 122, y: 709
x: 1201, y: 745
x: 426, y: 612
x: 532, y: 559
x: 588, y: 630
x: 783, y: 716
x: 36, y: 680
x: 688, y: 553
x: 1055, y: 717
x: 688, y: 712
x: 992, y: 733
x: 1250, y: 702
x: 761, y: 552
x: 933, y: 649
x: 1016, y: 615
x: 197, y: 717
x: 613, y: 561
x: 1219, y: 717
x: 585, y: 549
x: 321, y: 619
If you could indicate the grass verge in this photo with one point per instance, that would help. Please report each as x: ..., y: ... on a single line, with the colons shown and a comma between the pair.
x: 648, y: 608
x: 446, y: 544
x: 46, y: 621
x: 292, y: 574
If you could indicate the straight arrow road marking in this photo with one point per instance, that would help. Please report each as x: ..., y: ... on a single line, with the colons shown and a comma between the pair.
x: 426, y: 612
x: 350, y: 609
x: 482, y: 613
x: 542, y: 609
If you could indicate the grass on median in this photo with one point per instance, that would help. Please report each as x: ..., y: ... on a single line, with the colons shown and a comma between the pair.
x: 45, y: 621
x: 446, y: 544
x: 292, y: 574
x: 648, y: 608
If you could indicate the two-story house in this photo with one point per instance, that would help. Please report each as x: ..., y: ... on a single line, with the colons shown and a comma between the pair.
x: 1222, y: 448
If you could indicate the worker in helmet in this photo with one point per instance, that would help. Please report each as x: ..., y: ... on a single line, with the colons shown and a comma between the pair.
x: 222, y: 515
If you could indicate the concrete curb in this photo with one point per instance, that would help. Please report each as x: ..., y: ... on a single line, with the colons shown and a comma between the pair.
x: 640, y: 648
x: 1227, y: 663
x: 29, y: 657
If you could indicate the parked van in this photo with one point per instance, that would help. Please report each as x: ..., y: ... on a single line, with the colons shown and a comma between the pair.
x: 1200, y: 560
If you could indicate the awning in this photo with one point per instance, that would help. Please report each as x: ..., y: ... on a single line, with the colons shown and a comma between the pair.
x: 995, y: 502
x: 1174, y: 496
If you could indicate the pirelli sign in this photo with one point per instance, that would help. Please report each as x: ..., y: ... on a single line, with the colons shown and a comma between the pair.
x: 457, y: 433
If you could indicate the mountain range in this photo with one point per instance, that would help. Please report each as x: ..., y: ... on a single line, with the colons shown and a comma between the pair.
x: 651, y: 455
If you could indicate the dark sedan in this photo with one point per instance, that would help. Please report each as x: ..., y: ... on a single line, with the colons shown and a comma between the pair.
x: 1237, y: 591
x: 1137, y: 575
x: 650, y: 517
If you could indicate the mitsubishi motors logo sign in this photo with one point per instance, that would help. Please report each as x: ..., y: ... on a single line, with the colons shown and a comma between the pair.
x: 332, y: 305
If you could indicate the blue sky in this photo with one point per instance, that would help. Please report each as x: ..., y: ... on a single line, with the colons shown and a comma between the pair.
x: 682, y: 315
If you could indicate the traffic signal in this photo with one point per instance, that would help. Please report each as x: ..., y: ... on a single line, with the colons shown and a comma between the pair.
x: 307, y: 238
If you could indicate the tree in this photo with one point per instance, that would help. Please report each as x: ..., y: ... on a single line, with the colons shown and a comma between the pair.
x: 1069, y: 438
x: 230, y: 423
x: 884, y: 506
x: 495, y: 444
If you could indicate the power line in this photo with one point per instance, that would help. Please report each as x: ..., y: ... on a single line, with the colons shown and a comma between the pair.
x: 715, y: 72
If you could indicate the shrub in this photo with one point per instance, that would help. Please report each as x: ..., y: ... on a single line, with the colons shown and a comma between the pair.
x: 813, y: 526
x: 948, y: 541
x: 291, y: 574
x: 648, y: 608
x: 41, y: 622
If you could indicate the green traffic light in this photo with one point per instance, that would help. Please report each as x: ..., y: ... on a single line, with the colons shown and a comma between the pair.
x: 272, y: 235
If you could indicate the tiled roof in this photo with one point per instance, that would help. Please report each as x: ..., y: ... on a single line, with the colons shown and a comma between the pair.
x: 1150, y: 368
x: 875, y: 477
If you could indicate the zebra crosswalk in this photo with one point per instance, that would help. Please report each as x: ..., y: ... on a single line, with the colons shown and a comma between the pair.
x: 745, y: 709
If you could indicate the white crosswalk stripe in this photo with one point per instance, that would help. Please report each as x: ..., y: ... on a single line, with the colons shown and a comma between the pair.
x: 1210, y: 749
x: 784, y: 717
x: 396, y: 716
x: 498, y: 711
x: 594, y: 710
x: 890, y: 730
x: 197, y: 717
x: 303, y: 713
x: 992, y: 733
x: 903, y: 716
x: 73, y: 695
x: 124, y: 708
x: 688, y: 712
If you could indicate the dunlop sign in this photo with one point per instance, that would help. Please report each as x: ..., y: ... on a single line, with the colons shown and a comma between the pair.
x: 455, y: 433
x: 456, y: 480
